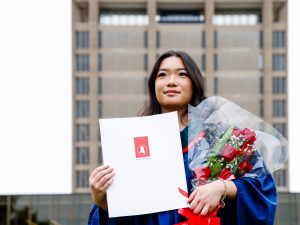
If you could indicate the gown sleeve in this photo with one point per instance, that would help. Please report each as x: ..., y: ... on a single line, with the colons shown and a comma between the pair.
x: 97, y: 216
x: 255, y: 202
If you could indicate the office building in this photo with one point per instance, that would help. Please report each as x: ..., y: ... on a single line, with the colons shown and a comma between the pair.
x: 240, y: 46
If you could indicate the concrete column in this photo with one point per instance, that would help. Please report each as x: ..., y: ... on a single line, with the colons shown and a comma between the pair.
x: 8, y: 207
x: 151, y: 11
x: 93, y: 52
x: 209, y: 36
x: 267, y: 16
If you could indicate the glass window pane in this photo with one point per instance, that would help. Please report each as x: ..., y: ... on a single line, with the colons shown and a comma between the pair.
x: 237, y: 17
x: 181, y: 16
x: 122, y: 17
x: 279, y: 62
x: 82, y: 132
x: 82, y: 86
x: 279, y: 108
x: 82, y: 109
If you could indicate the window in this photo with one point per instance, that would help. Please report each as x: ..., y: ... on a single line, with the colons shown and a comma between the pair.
x: 100, y: 157
x: 278, y: 85
x: 100, y: 39
x: 82, y: 132
x: 82, y: 109
x: 122, y: 17
x: 203, y: 62
x: 237, y: 17
x: 82, y: 86
x: 82, y: 62
x: 281, y: 127
x: 82, y: 155
x: 261, y: 85
x: 100, y: 86
x: 260, y: 65
x: 82, y: 178
x: 100, y: 109
x: 145, y: 39
x: 215, y: 39
x: 145, y: 62
x: 215, y: 62
x: 157, y: 39
x: 82, y: 39
x: 278, y: 39
x: 261, y: 39
x: 203, y: 44
x: 279, y: 62
x: 261, y: 108
x: 180, y: 16
x: 100, y: 62
x: 280, y: 177
x: 216, y: 84
x: 145, y: 85
x: 278, y: 108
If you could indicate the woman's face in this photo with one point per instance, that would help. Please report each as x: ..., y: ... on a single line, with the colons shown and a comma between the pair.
x: 173, y: 86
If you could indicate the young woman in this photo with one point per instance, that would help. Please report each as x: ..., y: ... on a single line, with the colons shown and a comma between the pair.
x: 175, y: 82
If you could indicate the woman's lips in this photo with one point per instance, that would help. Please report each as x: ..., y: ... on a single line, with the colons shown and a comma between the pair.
x: 172, y: 92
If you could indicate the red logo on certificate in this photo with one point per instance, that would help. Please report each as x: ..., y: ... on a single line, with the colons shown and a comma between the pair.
x: 141, y: 147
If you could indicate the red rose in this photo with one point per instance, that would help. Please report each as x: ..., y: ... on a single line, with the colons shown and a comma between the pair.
x: 245, y: 166
x: 226, y: 174
x: 236, y: 131
x: 202, y: 173
x: 249, y: 135
x: 229, y: 153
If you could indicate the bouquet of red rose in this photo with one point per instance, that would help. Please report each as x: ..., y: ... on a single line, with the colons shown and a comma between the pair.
x: 229, y: 157
x: 227, y: 142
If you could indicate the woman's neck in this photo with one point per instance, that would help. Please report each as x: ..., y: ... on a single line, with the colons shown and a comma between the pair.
x: 182, y: 120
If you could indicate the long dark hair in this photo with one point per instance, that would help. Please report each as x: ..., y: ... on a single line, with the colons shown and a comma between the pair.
x: 152, y: 107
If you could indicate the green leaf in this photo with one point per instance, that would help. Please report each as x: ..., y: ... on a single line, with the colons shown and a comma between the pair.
x: 216, y: 169
x: 221, y: 142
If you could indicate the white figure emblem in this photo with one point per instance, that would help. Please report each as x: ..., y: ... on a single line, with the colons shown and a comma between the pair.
x: 142, y: 150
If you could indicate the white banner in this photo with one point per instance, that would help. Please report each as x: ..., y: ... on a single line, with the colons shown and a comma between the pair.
x: 35, y: 97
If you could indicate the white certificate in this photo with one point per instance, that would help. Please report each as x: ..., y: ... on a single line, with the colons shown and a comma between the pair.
x: 146, y: 155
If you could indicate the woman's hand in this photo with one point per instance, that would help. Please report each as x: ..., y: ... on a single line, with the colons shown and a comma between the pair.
x: 206, y: 197
x: 101, y: 178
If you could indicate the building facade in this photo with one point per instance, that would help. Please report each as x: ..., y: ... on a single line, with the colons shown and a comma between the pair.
x: 239, y: 45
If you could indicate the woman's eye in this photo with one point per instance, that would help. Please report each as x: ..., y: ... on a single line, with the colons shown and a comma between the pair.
x: 161, y: 74
x: 182, y: 74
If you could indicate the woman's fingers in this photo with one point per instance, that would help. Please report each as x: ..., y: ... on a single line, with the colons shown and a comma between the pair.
x: 102, y: 174
x: 194, y: 199
x: 205, y: 210
x: 107, y: 184
x: 101, y: 177
x: 203, y: 199
x: 199, y: 205
x: 97, y: 170
x: 192, y: 196
x: 105, y: 181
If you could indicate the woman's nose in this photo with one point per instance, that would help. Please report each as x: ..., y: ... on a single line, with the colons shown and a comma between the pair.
x: 172, y: 80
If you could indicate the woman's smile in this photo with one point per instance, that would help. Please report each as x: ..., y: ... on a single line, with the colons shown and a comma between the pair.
x: 172, y: 92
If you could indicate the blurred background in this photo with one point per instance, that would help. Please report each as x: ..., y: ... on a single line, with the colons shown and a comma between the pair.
x: 240, y: 47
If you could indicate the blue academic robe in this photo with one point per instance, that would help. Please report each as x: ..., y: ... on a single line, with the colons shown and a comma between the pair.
x: 255, y: 203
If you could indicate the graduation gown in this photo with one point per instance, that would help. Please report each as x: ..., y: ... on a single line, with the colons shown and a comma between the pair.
x: 255, y: 203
